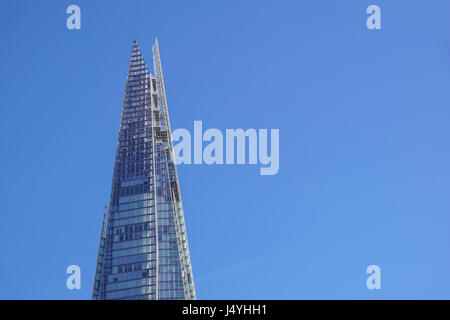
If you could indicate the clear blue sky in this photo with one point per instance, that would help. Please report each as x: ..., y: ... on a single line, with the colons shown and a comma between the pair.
x: 364, y: 131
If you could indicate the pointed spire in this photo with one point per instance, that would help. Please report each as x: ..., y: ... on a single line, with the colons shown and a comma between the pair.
x: 134, y: 45
x: 136, y: 52
x: 156, y: 47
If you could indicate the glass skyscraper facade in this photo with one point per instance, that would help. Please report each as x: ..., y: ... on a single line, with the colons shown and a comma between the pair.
x: 143, y: 252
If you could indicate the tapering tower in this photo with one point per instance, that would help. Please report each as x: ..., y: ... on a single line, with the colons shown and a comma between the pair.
x: 143, y: 252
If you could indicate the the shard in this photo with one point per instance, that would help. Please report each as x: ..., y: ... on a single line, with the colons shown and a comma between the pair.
x: 143, y: 252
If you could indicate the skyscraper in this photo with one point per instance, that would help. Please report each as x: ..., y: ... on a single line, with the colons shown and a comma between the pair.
x: 143, y: 252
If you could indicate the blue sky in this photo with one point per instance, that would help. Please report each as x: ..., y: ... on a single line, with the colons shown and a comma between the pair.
x: 364, y: 159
